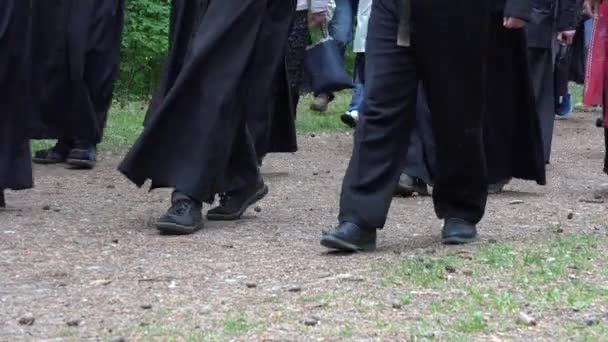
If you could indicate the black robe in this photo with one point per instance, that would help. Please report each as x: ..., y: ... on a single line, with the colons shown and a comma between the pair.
x: 75, y: 51
x: 196, y: 137
x: 512, y: 136
x: 15, y: 162
x: 548, y: 18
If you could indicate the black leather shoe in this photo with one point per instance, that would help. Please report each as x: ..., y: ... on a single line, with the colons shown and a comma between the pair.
x: 409, y: 185
x: 349, y: 237
x: 83, y: 156
x: 184, y: 217
x: 234, y: 204
x: 458, y: 232
x: 56, y: 154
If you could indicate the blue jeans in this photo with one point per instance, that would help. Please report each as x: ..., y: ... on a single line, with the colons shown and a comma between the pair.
x: 588, y: 31
x: 342, y: 25
x: 359, y: 83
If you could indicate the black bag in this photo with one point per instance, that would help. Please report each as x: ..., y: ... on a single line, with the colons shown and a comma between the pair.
x: 325, y: 67
x: 562, y: 70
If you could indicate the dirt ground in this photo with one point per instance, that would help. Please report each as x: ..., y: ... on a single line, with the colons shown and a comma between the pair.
x: 80, y: 258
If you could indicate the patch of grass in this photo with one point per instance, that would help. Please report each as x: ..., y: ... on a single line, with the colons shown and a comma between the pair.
x: 238, y: 326
x: 471, y: 323
x: 309, y: 121
x: 425, y: 272
x: 498, y: 255
x: 484, y: 293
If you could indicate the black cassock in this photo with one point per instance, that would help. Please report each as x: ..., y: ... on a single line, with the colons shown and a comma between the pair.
x: 222, y: 53
x: 548, y: 18
x: 15, y: 163
x: 75, y: 53
x: 512, y: 135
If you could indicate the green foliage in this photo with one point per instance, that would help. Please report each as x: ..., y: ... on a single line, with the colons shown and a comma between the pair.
x: 144, y: 47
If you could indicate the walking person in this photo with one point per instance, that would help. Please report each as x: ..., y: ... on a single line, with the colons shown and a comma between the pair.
x: 15, y: 160
x: 552, y: 21
x: 443, y: 44
x: 196, y: 139
x: 512, y: 136
x: 75, y: 51
x: 363, y: 13
x: 341, y: 30
x: 273, y: 103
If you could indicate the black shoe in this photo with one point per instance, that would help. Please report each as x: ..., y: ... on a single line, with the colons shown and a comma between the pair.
x: 234, y: 204
x: 349, y: 237
x: 349, y: 120
x: 184, y: 217
x: 56, y: 154
x: 458, y: 232
x: 2, y: 200
x: 409, y: 185
x: 83, y: 156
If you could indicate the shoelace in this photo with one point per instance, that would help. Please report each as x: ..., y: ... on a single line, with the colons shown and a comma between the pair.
x: 181, y: 207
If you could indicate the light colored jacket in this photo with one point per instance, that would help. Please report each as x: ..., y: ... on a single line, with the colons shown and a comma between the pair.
x: 363, y: 13
x: 315, y: 6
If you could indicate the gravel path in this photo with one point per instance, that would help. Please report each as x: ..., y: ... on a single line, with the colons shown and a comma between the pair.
x: 81, y: 258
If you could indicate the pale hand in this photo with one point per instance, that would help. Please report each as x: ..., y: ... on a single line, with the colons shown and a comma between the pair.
x: 513, y: 23
x: 316, y: 20
x: 566, y: 36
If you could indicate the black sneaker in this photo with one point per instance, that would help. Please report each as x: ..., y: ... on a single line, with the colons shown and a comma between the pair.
x: 458, y: 232
x: 407, y: 186
x: 349, y: 237
x: 234, y: 204
x: 56, y: 154
x: 83, y: 156
x: 184, y: 217
x: 350, y: 119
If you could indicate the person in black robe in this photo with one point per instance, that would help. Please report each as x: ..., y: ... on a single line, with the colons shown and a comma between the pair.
x: 512, y: 137
x: 75, y: 49
x: 271, y: 119
x: 15, y: 162
x: 443, y: 44
x: 551, y: 19
x: 196, y: 138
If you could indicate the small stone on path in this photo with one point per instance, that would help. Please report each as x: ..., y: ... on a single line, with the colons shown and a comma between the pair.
x: 146, y: 306
x: 526, y: 320
x: 311, y: 321
x: 251, y: 285
x: 27, y: 319
x: 118, y: 339
x: 73, y: 323
x: 295, y: 288
x: 46, y: 208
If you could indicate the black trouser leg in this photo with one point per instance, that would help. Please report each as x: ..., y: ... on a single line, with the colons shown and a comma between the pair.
x: 450, y: 42
x: 387, y: 116
x: 243, y: 170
